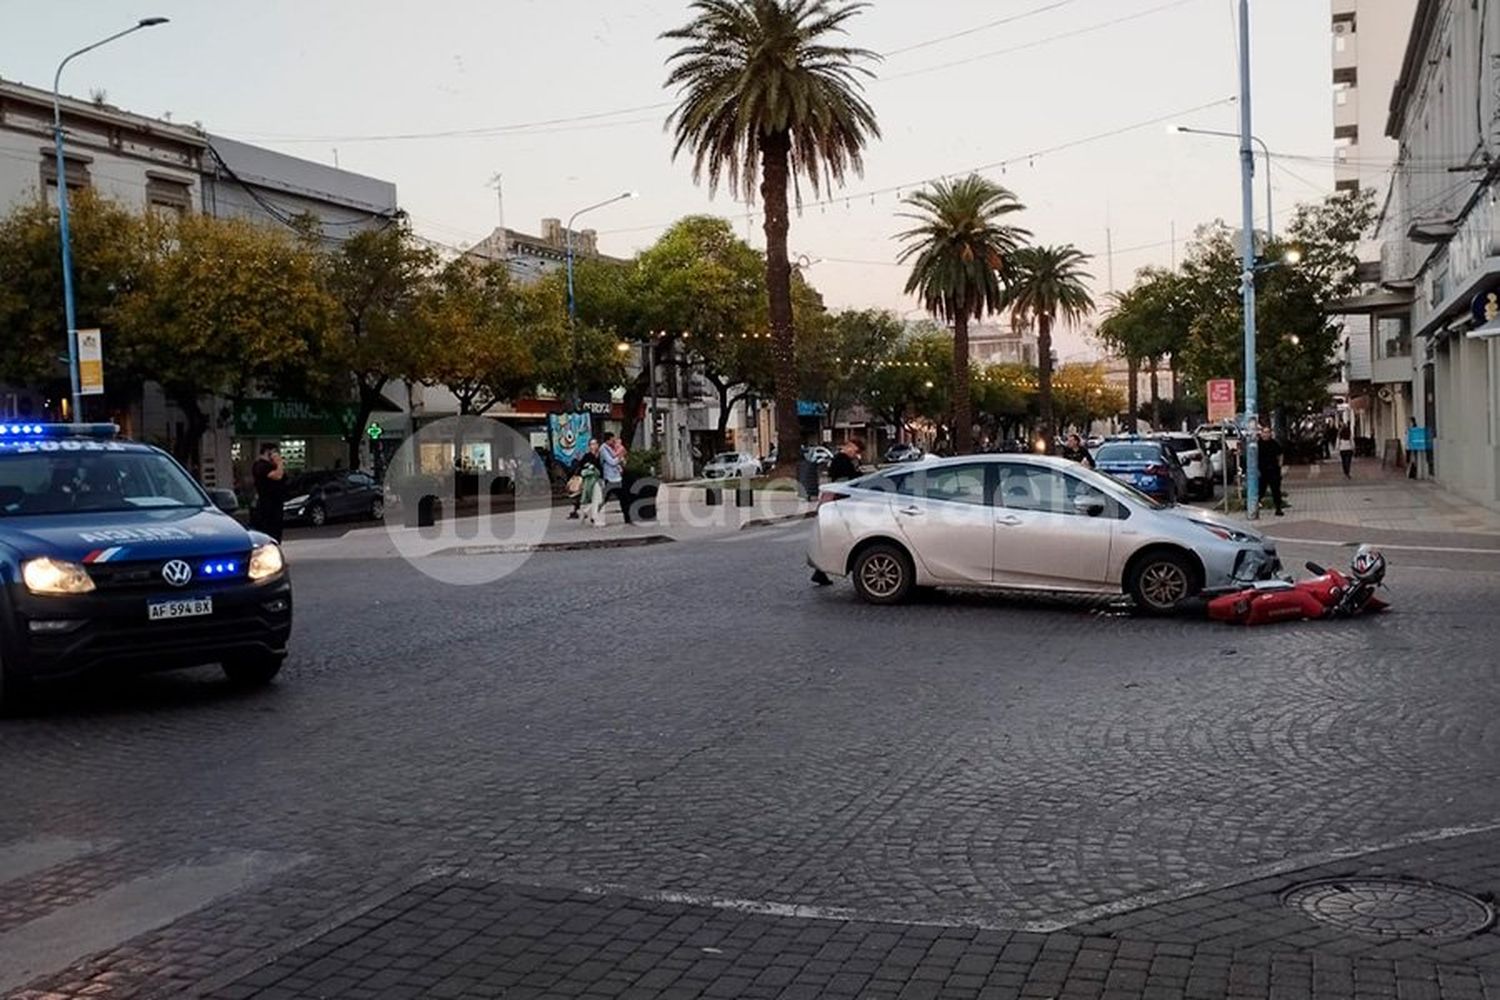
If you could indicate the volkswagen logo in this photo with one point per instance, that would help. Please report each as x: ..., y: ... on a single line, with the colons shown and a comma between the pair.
x: 176, y: 572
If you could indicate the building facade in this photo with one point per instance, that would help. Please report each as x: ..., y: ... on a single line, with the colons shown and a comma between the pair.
x: 1440, y: 233
x: 1368, y: 41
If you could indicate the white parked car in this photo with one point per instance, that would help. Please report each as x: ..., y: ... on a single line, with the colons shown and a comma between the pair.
x: 731, y: 465
x: 1195, y: 463
x: 1213, y: 440
x: 821, y: 454
x: 1027, y: 522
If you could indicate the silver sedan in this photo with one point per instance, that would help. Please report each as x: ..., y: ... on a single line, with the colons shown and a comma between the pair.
x: 1027, y: 522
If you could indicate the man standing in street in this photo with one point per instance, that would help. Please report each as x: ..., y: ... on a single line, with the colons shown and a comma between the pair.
x: 1074, y: 451
x: 612, y: 458
x: 1269, y: 464
x: 269, y: 473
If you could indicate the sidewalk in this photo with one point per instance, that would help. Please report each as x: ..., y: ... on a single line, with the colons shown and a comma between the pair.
x: 683, y: 514
x: 1377, y: 499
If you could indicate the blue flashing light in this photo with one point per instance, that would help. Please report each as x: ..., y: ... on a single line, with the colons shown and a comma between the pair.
x: 32, y: 431
x: 218, y: 568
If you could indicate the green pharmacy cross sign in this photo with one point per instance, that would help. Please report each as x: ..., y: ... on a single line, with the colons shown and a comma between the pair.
x: 291, y: 418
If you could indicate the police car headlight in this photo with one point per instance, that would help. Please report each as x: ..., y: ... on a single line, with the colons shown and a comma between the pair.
x: 266, y: 561
x: 55, y: 577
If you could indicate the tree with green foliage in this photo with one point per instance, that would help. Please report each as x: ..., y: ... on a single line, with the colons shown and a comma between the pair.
x: 470, y: 318
x: 959, y: 250
x: 915, y: 379
x: 217, y: 308
x: 1151, y: 321
x: 765, y: 94
x: 376, y: 278
x: 1046, y: 284
x: 837, y: 359
x: 1005, y: 398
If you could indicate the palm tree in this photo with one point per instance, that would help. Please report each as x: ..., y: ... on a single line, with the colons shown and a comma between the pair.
x: 959, y: 251
x: 1045, y: 283
x: 761, y: 83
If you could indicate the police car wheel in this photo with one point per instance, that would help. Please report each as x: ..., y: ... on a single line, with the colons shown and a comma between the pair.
x: 377, y: 509
x: 253, y: 671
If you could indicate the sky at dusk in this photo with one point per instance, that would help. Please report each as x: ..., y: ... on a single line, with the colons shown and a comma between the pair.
x: 1087, y: 86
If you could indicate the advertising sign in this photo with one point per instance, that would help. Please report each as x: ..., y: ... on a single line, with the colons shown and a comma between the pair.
x: 1220, y: 400
x: 90, y: 363
x: 570, y: 436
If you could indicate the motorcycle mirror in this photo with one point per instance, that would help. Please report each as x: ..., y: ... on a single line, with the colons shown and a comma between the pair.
x: 1315, y: 569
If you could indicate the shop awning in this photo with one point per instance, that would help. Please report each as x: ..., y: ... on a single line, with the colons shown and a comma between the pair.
x: 1490, y: 329
x: 1460, y: 300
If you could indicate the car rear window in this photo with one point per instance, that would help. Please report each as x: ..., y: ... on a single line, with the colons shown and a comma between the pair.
x: 1180, y: 445
x: 1129, y: 453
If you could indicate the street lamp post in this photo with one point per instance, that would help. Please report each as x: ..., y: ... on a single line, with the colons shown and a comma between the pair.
x: 69, y: 311
x: 1264, y: 151
x: 1247, y: 277
x: 572, y: 317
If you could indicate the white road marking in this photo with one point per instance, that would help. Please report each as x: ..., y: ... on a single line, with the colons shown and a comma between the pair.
x: 26, y: 857
x: 52, y: 942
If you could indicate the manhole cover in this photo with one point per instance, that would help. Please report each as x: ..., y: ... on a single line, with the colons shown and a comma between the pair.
x: 1388, y: 907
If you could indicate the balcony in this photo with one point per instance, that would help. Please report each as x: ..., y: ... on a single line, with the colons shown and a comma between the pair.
x: 1396, y: 266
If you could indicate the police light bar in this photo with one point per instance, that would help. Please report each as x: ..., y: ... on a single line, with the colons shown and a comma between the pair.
x: 26, y: 431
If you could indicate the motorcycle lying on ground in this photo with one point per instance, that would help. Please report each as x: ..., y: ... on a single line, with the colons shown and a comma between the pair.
x: 1329, y: 594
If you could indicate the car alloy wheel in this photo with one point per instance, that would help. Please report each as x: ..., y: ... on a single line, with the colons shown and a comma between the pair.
x: 883, y: 575
x: 377, y: 509
x: 316, y: 515
x: 1162, y: 583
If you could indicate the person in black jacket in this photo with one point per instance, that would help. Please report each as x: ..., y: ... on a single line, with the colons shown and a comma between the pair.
x: 845, y: 464
x: 1268, y: 462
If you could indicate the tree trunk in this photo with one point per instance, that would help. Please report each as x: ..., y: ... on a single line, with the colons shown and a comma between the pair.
x: 1133, y: 367
x: 635, y: 398
x: 1044, y: 379
x: 188, y: 448
x: 963, y: 407
x: 1155, y: 397
x: 775, y: 154
x: 368, y: 397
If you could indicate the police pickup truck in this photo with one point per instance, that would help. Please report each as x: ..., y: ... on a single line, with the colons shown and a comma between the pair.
x: 113, y: 558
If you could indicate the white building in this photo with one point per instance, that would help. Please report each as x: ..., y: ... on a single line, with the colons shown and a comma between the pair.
x: 1369, y: 38
x: 1441, y: 234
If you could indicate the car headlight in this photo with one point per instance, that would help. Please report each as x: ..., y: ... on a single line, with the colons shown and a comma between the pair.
x: 297, y: 501
x: 266, y: 561
x: 55, y: 577
x: 1228, y: 534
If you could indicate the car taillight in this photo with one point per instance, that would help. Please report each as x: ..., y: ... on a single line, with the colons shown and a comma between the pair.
x: 1158, y: 470
x: 828, y: 496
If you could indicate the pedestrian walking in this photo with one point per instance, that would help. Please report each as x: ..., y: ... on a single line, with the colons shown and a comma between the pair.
x: 582, y: 474
x: 845, y: 465
x: 1346, y: 449
x: 1269, y: 465
x: 591, y: 483
x: 269, y: 473
x: 612, y: 460
x: 1074, y: 451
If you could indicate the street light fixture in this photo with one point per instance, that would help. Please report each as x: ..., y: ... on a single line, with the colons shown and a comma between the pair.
x: 69, y: 310
x: 1266, y: 152
x: 572, y: 321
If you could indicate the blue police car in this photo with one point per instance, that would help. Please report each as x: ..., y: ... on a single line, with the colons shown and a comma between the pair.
x: 113, y: 558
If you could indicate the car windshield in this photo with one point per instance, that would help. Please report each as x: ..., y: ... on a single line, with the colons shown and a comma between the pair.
x: 1125, y: 452
x: 1180, y: 445
x: 726, y: 458
x: 91, y: 478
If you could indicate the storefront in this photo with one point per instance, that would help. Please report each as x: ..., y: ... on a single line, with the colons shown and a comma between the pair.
x: 310, y: 436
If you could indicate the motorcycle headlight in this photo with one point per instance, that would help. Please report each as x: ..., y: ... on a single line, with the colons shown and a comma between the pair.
x: 55, y: 577
x: 266, y: 561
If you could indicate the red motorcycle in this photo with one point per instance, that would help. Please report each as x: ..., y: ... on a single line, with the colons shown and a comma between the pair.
x: 1329, y: 594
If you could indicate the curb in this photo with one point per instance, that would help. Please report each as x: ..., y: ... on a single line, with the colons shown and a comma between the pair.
x: 601, y: 543
x: 765, y: 522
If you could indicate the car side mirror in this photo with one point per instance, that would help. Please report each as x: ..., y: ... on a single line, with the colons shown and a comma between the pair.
x: 225, y: 500
x: 1088, y: 506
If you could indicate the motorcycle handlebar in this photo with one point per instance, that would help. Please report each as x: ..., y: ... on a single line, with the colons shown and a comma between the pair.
x: 1315, y: 569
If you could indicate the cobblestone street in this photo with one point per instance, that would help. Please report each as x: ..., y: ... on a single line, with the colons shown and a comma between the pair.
x: 680, y: 770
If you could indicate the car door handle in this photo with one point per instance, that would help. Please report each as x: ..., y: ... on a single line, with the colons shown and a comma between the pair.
x: 1008, y: 521
x: 912, y: 511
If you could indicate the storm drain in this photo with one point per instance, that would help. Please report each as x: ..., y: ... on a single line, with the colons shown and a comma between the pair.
x: 1391, y: 908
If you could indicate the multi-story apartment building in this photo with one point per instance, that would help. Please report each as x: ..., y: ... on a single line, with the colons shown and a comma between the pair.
x: 1440, y: 234
x: 1369, y: 37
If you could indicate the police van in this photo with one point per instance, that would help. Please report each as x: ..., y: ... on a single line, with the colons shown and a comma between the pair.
x: 113, y: 558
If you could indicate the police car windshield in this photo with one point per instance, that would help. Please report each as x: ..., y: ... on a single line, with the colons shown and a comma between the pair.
x: 91, y: 477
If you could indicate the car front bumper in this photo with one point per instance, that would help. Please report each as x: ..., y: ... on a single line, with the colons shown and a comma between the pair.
x: 57, y: 637
x: 1232, y: 566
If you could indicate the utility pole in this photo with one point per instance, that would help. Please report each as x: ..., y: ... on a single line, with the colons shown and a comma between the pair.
x: 500, y: 218
x: 1247, y: 276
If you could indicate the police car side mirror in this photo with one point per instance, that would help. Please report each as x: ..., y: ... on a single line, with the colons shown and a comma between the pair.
x: 225, y: 500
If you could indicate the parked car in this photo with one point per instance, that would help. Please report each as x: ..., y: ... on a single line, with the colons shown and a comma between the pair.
x: 731, y: 465
x: 1214, y: 441
x: 1195, y: 463
x: 1027, y: 522
x: 320, y: 496
x: 818, y: 453
x: 1147, y: 464
x: 769, y: 461
x: 903, y: 452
